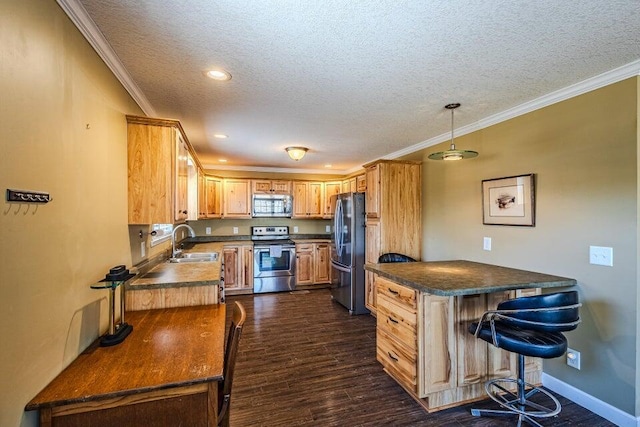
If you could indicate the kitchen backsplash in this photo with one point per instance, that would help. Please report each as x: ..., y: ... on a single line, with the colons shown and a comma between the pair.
x: 225, y: 227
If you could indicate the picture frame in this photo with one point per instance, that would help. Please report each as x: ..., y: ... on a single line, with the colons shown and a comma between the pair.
x: 509, y: 201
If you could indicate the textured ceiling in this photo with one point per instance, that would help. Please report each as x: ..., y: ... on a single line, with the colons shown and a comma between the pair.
x: 354, y: 80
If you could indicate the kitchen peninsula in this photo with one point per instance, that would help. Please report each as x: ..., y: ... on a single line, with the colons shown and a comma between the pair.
x: 424, y: 309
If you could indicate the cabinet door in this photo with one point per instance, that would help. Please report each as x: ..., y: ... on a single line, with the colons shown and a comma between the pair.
x: 322, y: 265
x: 437, y: 344
x: 299, y: 199
x: 330, y: 189
x: 214, y: 194
x: 182, y: 178
x: 472, y: 352
x: 315, y: 199
x: 150, y: 160
x: 281, y: 187
x: 304, y: 264
x: 372, y: 253
x: 361, y: 183
x: 237, y: 198
x: 500, y: 363
x: 247, y: 267
x: 202, y: 195
x: 260, y: 186
x: 346, y: 187
x: 372, y: 199
x: 231, y: 260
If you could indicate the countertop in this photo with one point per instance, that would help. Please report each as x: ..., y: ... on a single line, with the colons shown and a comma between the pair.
x: 451, y: 278
x: 176, y: 275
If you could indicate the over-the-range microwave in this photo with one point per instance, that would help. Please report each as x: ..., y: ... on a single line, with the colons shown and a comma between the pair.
x: 272, y: 205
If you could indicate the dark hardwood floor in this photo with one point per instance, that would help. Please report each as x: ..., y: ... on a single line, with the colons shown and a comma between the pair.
x: 304, y: 361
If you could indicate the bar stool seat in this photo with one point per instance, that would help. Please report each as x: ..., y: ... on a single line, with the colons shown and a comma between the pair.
x: 528, y: 326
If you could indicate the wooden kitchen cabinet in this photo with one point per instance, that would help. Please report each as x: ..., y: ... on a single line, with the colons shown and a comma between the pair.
x: 313, y: 264
x: 181, y: 206
x: 213, y: 192
x: 361, y: 183
x: 157, y: 156
x: 237, y: 198
x: 202, y: 195
x: 331, y: 188
x: 265, y: 186
x: 393, y: 209
x: 423, y: 343
x: 237, y: 269
x: 308, y: 199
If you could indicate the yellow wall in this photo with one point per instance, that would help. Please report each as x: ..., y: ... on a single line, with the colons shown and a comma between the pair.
x: 53, y: 85
x: 584, y: 154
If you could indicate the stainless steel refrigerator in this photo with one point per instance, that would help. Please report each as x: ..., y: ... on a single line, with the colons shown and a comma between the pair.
x: 347, y: 251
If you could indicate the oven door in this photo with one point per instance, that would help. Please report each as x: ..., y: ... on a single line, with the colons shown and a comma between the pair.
x: 273, y: 261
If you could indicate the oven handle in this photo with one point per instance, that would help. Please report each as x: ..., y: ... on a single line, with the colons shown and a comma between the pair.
x: 341, y: 268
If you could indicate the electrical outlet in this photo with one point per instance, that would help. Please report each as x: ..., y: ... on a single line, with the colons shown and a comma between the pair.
x: 143, y: 249
x: 600, y: 255
x: 207, y: 230
x: 295, y: 228
x: 327, y: 229
x: 486, y: 244
x: 235, y: 230
x: 573, y: 358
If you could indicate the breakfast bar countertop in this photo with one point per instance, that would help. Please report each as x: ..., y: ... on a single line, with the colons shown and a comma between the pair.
x: 459, y: 277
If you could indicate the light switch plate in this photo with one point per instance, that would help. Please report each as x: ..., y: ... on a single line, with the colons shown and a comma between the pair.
x: 235, y: 230
x: 295, y: 228
x: 601, y: 255
x: 486, y: 244
x: 327, y: 229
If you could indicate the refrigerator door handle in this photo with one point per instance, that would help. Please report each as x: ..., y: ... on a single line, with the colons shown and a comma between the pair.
x: 338, y: 227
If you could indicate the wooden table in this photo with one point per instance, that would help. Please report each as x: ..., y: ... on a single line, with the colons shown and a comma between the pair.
x: 165, y: 373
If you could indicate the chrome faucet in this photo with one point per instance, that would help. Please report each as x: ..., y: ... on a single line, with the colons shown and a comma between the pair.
x: 175, y: 253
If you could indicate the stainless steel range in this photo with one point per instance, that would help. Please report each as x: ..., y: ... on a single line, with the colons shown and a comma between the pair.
x: 274, y: 259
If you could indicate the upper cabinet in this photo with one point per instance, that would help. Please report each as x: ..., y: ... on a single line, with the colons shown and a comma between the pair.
x: 237, y: 198
x: 331, y: 188
x: 308, y: 199
x: 265, y: 186
x: 213, y: 193
x: 158, y: 174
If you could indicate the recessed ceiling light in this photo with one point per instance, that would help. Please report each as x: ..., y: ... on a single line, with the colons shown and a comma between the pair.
x: 218, y: 74
x: 222, y: 160
x: 327, y: 166
x: 220, y: 136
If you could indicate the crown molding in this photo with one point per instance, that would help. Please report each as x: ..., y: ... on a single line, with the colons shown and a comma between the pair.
x: 631, y: 69
x: 81, y: 19
x: 276, y: 170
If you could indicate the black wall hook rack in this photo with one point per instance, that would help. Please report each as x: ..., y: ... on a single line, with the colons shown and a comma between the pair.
x: 25, y: 196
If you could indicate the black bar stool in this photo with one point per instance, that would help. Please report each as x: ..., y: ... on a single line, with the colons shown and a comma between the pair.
x: 529, y: 326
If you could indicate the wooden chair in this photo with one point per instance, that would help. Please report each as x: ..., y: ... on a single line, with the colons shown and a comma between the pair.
x: 231, y: 350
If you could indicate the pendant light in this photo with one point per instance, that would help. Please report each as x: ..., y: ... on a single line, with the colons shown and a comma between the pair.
x: 452, y: 153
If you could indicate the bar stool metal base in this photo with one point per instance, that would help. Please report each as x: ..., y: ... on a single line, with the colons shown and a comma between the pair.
x: 519, y: 403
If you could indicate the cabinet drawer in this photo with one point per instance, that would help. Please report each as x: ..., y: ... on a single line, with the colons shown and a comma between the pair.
x: 399, y: 294
x: 397, y: 359
x: 397, y: 321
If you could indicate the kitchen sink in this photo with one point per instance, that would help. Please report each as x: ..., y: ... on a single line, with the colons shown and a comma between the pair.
x: 196, y: 257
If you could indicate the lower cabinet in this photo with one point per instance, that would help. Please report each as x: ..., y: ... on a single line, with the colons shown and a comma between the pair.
x: 423, y: 343
x: 313, y: 264
x: 237, y: 269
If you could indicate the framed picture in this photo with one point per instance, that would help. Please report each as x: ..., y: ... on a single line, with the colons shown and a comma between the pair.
x: 509, y: 201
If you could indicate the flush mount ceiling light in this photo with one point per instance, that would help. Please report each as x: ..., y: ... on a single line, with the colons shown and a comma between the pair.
x: 218, y: 74
x: 452, y: 153
x: 296, y: 153
x: 220, y: 136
